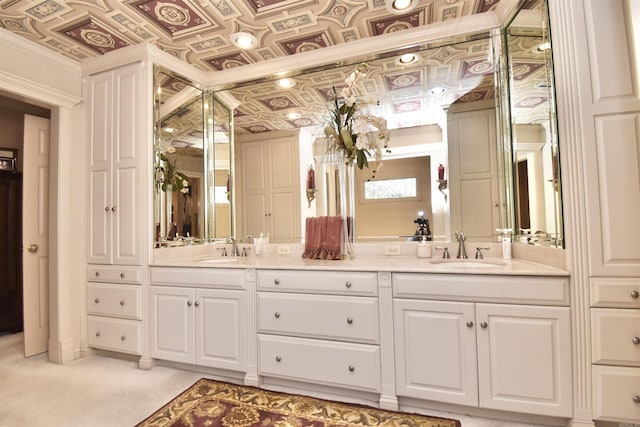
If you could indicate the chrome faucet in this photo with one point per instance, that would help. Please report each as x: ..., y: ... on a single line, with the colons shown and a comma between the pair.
x: 234, y: 247
x: 462, y: 251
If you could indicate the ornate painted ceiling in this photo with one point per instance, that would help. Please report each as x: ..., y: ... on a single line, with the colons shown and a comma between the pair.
x: 198, y: 32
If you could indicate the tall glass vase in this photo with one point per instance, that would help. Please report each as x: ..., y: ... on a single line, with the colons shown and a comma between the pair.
x: 346, y: 182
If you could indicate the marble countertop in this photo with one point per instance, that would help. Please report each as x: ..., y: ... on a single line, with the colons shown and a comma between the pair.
x: 411, y: 264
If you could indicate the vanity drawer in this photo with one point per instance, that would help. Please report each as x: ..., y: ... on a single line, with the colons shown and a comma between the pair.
x: 319, y: 316
x: 615, y: 292
x: 114, y: 274
x: 115, y: 334
x: 227, y: 278
x: 354, y: 366
x: 616, y: 336
x: 616, y: 390
x: 323, y: 282
x: 114, y: 300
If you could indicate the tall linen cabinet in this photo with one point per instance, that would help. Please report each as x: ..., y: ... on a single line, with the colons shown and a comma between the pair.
x: 120, y: 138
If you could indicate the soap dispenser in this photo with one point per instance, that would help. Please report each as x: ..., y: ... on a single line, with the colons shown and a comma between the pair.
x: 423, y: 250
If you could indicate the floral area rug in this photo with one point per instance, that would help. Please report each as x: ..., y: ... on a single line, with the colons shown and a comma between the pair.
x: 218, y: 404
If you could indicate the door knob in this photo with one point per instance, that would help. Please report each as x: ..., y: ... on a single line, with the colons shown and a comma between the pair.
x: 33, y: 248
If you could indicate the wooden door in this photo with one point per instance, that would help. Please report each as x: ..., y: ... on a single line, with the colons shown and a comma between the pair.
x: 35, y: 235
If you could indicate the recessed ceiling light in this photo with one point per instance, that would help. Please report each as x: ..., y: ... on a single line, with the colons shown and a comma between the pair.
x: 543, y: 47
x: 400, y: 6
x: 286, y: 83
x: 168, y: 129
x: 437, y: 90
x: 407, y: 59
x: 293, y: 115
x: 244, y: 40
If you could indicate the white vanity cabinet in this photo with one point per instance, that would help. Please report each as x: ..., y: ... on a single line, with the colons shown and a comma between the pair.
x: 484, y: 341
x: 320, y: 327
x: 615, y: 331
x: 117, y: 101
x: 200, y: 320
x: 114, y: 308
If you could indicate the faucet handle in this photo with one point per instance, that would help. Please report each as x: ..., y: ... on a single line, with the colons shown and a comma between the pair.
x: 223, y: 250
x: 445, y: 251
x: 479, y: 252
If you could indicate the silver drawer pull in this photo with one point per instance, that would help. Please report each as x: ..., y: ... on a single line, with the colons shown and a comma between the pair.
x: 97, y: 300
x: 352, y: 368
x: 636, y: 340
x: 106, y: 209
x: 350, y: 320
x: 97, y: 274
x: 636, y: 398
x: 276, y: 281
x: 277, y: 315
x: 483, y: 324
x: 189, y: 303
x: 197, y: 303
x: 122, y: 338
x: 113, y: 209
x: 121, y: 302
x: 122, y: 275
x: 635, y: 294
x: 469, y: 324
x: 278, y: 359
x: 347, y: 284
x: 98, y: 333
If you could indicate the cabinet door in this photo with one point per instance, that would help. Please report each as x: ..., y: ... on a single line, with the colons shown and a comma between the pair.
x: 99, y: 124
x: 220, y: 329
x: 172, y: 323
x: 435, y: 345
x: 524, y: 359
x: 126, y: 202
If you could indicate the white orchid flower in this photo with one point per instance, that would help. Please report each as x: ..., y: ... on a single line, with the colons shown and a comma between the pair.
x: 350, y: 100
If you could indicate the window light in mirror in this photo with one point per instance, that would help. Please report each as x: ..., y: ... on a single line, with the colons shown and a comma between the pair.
x: 397, y: 188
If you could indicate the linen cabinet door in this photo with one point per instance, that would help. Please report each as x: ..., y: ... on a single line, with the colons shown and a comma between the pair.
x: 172, y: 323
x: 524, y: 359
x: 220, y: 329
x: 435, y: 345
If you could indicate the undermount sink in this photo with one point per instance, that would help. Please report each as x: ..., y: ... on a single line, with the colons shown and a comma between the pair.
x: 468, y: 263
x: 219, y: 260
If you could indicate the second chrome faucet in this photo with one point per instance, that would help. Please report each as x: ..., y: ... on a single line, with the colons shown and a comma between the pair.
x: 462, y: 251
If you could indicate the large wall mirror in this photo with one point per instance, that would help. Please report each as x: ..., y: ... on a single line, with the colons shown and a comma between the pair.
x: 192, y: 155
x: 537, y: 194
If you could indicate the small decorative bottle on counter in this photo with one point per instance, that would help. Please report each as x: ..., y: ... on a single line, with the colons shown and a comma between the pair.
x: 504, y: 234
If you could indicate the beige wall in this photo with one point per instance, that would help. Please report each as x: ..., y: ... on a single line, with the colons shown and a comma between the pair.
x: 394, y: 217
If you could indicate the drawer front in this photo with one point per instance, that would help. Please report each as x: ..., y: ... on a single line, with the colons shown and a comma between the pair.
x: 323, y: 282
x: 616, y: 390
x: 353, y: 366
x: 114, y: 300
x: 319, y: 316
x: 114, y: 274
x: 115, y: 334
x: 477, y: 288
x: 616, y: 336
x: 615, y: 292
x: 224, y: 278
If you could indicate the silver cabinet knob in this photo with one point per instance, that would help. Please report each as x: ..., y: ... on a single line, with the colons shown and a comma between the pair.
x: 483, y: 324
x: 97, y: 300
x: 352, y: 368
x: 347, y: 284
x: 276, y: 281
x: 350, y: 320
x: 121, y: 302
x: 277, y: 315
x: 636, y: 398
x: 197, y: 303
x: 469, y: 324
x: 106, y: 209
x: 189, y: 303
x: 636, y: 340
x: 113, y: 209
x: 278, y: 359
x: 97, y: 274
x: 122, y: 338
x: 635, y: 294
x: 98, y: 334
x: 122, y: 275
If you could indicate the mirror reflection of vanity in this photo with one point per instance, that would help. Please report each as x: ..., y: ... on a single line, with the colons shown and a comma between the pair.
x: 452, y: 78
